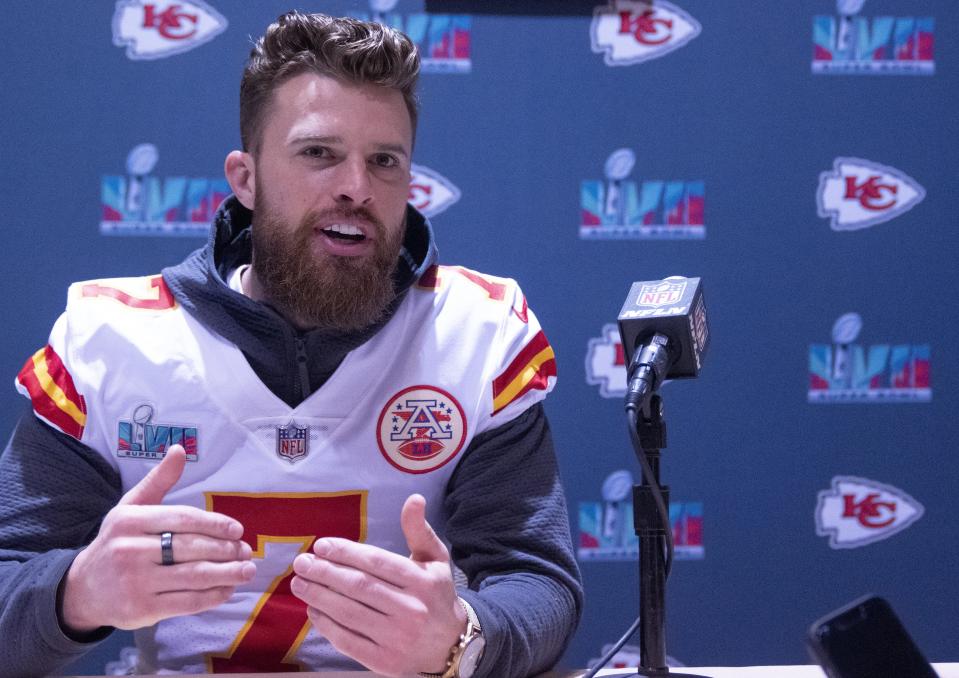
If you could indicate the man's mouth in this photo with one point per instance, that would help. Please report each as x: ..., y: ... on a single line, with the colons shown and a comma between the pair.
x: 345, y: 232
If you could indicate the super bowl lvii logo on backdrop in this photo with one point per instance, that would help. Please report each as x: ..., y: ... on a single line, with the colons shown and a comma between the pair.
x: 153, y: 29
x: 882, y: 45
x: 606, y: 529
x: 859, y: 193
x: 139, y: 203
x: 847, y: 372
x: 619, y: 208
x: 630, y: 32
x: 855, y: 512
x: 443, y: 40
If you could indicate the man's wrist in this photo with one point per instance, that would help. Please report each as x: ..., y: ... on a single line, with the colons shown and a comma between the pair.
x: 468, y: 650
x: 69, y: 616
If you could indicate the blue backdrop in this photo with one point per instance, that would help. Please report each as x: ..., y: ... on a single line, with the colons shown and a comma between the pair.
x: 802, y: 162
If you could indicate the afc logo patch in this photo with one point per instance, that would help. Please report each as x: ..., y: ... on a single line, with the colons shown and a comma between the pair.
x: 420, y: 429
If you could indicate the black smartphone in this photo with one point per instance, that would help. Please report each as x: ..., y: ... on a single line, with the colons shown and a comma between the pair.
x: 865, y: 639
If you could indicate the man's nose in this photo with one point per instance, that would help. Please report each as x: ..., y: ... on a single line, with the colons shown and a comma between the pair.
x: 353, y: 183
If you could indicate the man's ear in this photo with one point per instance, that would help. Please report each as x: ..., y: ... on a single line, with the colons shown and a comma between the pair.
x: 240, y: 171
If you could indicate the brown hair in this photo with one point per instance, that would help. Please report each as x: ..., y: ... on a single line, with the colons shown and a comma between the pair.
x: 351, y: 50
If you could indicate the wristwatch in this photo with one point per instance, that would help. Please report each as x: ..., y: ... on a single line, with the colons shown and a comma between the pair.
x: 466, y: 654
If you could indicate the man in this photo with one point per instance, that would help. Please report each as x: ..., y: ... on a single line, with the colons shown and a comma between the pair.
x: 254, y: 448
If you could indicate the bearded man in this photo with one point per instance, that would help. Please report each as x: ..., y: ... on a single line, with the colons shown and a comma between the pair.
x: 245, y: 457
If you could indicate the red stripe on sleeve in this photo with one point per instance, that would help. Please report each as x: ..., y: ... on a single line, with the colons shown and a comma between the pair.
x: 540, y: 381
x: 61, y: 377
x: 535, y: 345
x: 44, y: 405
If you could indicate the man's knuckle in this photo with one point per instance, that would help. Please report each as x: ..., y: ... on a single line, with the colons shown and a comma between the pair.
x: 125, y: 551
x: 366, y: 587
x: 113, y: 525
x: 378, y: 562
x: 419, y: 616
x: 222, y: 594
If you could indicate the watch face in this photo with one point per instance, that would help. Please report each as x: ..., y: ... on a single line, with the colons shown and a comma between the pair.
x: 471, y: 656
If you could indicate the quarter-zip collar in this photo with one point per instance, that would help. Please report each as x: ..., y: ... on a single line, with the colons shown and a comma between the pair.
x: 272, y: 346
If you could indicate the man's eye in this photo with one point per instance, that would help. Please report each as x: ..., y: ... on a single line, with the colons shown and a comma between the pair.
x: 316, y: 152
x: 385, y: 160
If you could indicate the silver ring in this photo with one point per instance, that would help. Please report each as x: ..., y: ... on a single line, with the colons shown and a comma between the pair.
x: 166, y: 548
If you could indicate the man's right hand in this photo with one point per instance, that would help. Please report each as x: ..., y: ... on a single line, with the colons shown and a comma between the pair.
x: 118, y: 580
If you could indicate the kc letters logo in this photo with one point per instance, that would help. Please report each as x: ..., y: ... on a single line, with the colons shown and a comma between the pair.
x: 850, y: 44
x: 443, y: 40
x: 847, y: 372
x: 141, y: 438
x: 139, y: 203
x: 630, y: 32
x: 606, y: 363
x: 153, y: 29
x: 619, y: 208
x: 430, y: 192
x: 860, y: 193
x: 855, y: 512
x: 606, y: 530
x: 420, y: 429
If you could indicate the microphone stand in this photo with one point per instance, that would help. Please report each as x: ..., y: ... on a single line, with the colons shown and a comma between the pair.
x: 655, y: 545
x: 651, y: 429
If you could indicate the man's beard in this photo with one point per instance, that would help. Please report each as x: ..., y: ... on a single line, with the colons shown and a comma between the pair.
x: 327, y: 291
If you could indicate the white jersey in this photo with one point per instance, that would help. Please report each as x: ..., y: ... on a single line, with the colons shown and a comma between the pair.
x: 129, y: 373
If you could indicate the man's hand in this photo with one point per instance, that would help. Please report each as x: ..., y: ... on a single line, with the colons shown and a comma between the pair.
x: 394, y: 615
x: 118, y: 580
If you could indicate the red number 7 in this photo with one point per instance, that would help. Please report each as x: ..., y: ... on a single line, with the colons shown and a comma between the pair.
x: 278, y: 624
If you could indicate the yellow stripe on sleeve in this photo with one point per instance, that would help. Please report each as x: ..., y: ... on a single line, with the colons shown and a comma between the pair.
x: 55, y: 393
x: 516, y: 386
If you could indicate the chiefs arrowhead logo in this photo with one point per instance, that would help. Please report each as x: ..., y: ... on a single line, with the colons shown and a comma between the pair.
x: 629, y: 32
x: 606, y: 363
x: 859, y: 193
x: 431, y: 192
x: 153, y: 29
x: 857, y: 511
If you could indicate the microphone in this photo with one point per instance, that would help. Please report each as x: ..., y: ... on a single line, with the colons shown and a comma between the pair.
x: 665, y: 334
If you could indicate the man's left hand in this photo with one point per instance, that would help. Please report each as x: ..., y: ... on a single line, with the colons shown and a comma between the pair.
x: 397, y: 616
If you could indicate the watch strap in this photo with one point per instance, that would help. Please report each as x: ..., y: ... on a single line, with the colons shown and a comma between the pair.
x: 472, y: 629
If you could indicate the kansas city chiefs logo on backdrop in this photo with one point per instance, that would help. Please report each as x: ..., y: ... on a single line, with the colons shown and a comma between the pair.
x: 860, y: 193
x: 431, y: 192
x: 606, y: 363
x: 632, y: 31
x: 857, y: 511
x: 153, y: 29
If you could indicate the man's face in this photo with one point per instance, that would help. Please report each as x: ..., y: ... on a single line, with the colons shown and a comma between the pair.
x: 332, y: 175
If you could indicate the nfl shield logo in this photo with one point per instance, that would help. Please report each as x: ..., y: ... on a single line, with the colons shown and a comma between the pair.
x: 291, y: 441
x: 661, y: 293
